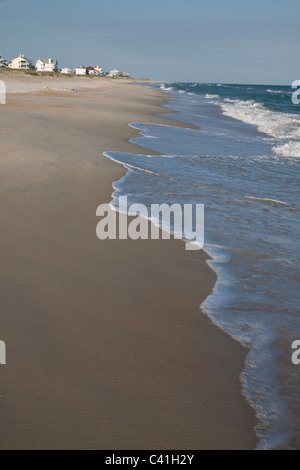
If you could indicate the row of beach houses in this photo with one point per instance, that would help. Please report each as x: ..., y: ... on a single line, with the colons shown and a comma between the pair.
x: 51, y: 65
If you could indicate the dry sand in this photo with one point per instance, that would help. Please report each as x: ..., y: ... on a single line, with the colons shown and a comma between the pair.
x: 106, y: 345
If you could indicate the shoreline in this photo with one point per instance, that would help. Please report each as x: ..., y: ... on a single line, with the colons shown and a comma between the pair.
x: 136, y: 369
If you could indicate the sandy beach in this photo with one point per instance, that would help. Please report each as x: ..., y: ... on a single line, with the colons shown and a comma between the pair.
x: 107, y: 347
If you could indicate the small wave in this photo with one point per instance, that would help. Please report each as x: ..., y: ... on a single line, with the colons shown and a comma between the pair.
x: 258, y: 106
x: 290, y: 149
x: 275, y: 91
x: 273, y: 123
x: 208, y: 96
x: 113, y: 156
x: 163, y: 87
x: 273, y: 202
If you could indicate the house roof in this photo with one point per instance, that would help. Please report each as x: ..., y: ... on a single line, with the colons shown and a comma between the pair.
x: 46, y: 61
x: 21, y: 56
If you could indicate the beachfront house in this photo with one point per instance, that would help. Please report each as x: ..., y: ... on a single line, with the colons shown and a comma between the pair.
x: 114, y: 73
x: 20, y: 63
x: 99, y: 70
x: 81, y: 71
x: 3, y: 62
x: 124, y: 74
x: 46, y: 65
x: 66, y: 71
x: 117, y: 73
x: 95, y: 70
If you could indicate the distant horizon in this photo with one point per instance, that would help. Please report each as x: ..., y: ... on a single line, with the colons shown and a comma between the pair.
x: 228, y: 83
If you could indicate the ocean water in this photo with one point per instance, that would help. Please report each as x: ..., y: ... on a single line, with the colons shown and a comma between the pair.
x: 242, y: 162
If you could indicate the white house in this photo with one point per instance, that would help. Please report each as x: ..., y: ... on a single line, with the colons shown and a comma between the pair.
x: 114, y: 73
x: 80, y: 71
x: 46, y: 65
x: 99, y: 70
x: 95, y: 70
x: 124, y: 74
x: 66, y: 71
x: 20, y: 63
x: 3, y: 62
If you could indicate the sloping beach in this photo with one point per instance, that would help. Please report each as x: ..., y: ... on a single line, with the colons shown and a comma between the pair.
x: 106, y: 345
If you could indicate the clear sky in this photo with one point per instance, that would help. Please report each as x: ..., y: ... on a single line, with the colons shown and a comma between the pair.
x: 229, y: 41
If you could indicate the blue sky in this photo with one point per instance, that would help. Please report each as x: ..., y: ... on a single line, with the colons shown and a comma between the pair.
x: 229, y: 41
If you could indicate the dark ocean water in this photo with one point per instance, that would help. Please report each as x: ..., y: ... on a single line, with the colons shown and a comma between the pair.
x: 275, y: 98
x: 242, y: 163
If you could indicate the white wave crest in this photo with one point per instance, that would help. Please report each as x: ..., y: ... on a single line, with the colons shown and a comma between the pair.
x: 273, y: 123
x: 163, y: 87
x: 275, y: 91
x: 211, y: 97
x: 273, y: 202
x: 290, y: 149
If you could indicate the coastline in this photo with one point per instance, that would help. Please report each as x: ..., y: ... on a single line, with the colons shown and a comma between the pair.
x: 107, y: 347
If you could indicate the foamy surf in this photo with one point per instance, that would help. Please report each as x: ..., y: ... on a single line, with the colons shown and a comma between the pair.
x: 273, y: 114
x: 291, y: 148
x: 275, y: 124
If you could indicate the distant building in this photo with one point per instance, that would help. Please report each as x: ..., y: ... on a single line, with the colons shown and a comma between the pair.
x: 91, y: 70
x: 66, y: 71
x: 99, y: 70
x: 3, y: 62
x: 124, y: 74
x: 114, y: 73
x: 20, y: 63
x: 95, y: 70
x: 81, y: 71
x: 46, y: 65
